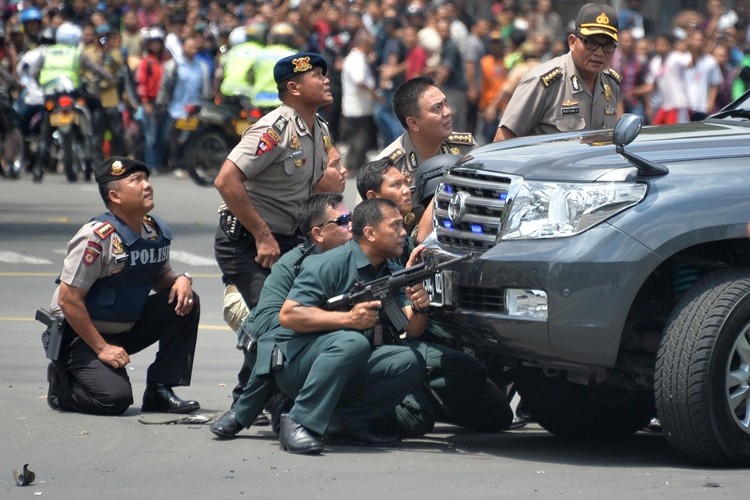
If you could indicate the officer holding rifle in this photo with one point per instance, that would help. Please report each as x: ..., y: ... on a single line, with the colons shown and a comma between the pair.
x: 346, y: 380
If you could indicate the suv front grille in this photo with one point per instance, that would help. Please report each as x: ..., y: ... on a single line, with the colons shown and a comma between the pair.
x: 480, y: 196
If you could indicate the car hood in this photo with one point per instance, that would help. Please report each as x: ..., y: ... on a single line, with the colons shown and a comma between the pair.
x: 589, y: 155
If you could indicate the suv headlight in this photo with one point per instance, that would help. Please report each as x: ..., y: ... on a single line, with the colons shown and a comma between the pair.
x: 553, y: 209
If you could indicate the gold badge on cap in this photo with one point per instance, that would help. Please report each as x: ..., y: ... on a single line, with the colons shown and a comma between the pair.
x: 302, y: 64
x: 602, y: 18
x: 117, y: 168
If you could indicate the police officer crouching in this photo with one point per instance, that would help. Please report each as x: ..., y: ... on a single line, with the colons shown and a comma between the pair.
x: 113, y: 264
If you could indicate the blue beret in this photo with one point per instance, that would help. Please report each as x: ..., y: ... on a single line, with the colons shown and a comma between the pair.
x: 297, y: 64
x: 117, y: 167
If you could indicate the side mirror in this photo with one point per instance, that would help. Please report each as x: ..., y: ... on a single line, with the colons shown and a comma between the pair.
x: 627, y: 129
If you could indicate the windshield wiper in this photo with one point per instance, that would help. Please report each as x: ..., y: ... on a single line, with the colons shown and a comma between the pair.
x: 733, y: 113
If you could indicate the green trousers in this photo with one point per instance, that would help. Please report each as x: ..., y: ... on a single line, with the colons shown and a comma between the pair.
x: 339, y: 372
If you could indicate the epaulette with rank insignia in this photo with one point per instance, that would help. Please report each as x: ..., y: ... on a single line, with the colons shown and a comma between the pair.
x: 396, y: 155
x: 461, y: 138
x: 104, y: 230
x: 613, y: 74
x: 551, y: 76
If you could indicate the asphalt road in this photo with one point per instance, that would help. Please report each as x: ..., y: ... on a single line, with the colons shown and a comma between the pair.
x: 81, y: 456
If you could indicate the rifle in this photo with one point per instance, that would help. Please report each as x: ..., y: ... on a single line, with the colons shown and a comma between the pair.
x: 385, y: 289
x: 52, y: 337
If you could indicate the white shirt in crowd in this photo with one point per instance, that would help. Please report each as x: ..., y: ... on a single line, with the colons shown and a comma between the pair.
x: 356, y: 101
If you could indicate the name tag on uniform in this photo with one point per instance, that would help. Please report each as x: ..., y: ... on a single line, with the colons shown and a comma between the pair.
x: 296, y: 153
x: 570, y: 107
x: 610, y: 110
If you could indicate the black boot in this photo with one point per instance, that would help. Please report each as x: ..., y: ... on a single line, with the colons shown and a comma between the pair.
x: 295, y: 438
x: 227, y: 426
x: 159, y: 397
x: 52, y: 400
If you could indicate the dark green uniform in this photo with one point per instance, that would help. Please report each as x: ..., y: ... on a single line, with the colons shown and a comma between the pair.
x: 261, y: 324
x: 338, y: 370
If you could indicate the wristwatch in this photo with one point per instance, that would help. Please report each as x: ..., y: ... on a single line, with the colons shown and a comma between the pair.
x: 187, y: 275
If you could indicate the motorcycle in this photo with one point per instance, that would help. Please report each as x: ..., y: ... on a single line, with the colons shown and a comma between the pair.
x: 65, y: 132
x: 209, y: 132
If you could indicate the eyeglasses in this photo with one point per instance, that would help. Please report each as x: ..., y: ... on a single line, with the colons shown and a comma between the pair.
x: 593, y: 45
x: 341, y: 220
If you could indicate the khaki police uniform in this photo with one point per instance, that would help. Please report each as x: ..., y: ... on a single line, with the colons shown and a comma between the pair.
x: 553, y: 97
x: 403, y: 153
x: 85, y: 384
x: 96, y: 252
x: 282, y: 160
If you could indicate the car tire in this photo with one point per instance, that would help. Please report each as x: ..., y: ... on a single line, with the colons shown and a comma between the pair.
x: 572, y: 410
x: 703, y: 369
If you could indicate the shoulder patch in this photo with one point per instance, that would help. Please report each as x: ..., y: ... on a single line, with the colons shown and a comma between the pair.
x: 461, y: 138
x: 397, y: 155
x: 267, y: 142
x: 613, y: 74
x: 104, y: 230
x: 92, y: 252
x: 551, y: 76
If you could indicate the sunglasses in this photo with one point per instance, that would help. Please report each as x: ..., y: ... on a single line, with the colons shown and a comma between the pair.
x: 593, y: 45
x: 341, y: 220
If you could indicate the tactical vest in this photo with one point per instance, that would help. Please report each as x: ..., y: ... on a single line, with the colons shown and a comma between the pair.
x: 237, y: 63
x: 122, y: 296
x: 265, y: 93
x: 61, y: 61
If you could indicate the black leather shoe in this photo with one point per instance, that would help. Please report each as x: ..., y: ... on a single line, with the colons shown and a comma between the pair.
x: 294, y: 438
x: 227, y: 426
x: 160, y: 398
x: 369, y: 438
x: 261, y: 419
x: 52, y: 400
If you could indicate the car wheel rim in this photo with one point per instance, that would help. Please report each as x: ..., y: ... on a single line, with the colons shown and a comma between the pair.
x: 738, y: 380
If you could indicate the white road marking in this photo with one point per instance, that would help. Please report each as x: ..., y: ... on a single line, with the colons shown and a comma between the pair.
x: 19, y: 258
x: 190, y: 259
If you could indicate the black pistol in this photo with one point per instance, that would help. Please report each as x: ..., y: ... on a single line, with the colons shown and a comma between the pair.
x: 52, y: 337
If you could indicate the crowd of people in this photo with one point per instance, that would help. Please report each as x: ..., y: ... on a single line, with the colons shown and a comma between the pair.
x: 375, y: 371
x: 139, y: 64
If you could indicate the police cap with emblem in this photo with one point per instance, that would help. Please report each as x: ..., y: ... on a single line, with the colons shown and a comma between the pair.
x: 296, y: 64
x: 117, y: 167
x: 597, y: 19
x: 429, y: 174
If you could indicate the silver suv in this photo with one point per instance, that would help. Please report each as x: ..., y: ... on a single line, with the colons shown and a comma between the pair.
x: 612, y: 273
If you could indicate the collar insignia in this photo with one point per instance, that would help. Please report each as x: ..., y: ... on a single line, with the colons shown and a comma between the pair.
x: 575, y: 83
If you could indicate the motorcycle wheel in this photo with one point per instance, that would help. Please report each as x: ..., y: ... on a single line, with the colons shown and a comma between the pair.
x: 66, y: 140
x: 206, y: 155
x: 16, y: 163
